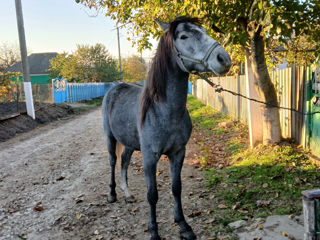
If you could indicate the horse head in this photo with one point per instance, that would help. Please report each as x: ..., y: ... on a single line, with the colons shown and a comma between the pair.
x: 195, y: 50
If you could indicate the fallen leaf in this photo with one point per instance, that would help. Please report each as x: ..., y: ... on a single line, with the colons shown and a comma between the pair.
x: 195, y: 213
x: 261, y: 203
x: 79, y: 199
x: 78, y: 216
x: 38, y: 207
x: 260, y: 226
x: 22, y: 236
x: 224, y: 185
x: 242, y: 210
x: 222, y: 206
x: 211, y: 220
x: 60, y: 178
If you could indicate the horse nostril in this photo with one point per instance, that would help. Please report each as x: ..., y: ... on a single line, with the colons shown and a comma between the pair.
x: 220, y: 59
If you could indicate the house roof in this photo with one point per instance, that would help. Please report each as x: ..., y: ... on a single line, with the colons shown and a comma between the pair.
x: 38, y: 63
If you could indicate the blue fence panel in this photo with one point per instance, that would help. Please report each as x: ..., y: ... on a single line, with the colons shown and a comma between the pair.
x: 75, y: 92
x: 189, y: 87
x: 83, y: 91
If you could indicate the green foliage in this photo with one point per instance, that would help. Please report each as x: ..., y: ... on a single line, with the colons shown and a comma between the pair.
x: 279, y: 21
x: 86, y: 64
x: 134, y: 69
x: 9, y: 88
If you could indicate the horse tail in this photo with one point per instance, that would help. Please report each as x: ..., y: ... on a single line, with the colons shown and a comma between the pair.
x: 105, y: 120
x: 119, y: 151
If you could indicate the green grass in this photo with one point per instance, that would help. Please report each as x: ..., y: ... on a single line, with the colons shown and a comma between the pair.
x: 206, y: 120
x: 264, y: 181
x: 205, y: 117
x: 259, y: 182
x: 89, y: 104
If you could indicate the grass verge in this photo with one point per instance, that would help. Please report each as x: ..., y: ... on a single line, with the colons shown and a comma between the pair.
x: 89, y: 104
x: 216, y: 143
x: 259, y: 182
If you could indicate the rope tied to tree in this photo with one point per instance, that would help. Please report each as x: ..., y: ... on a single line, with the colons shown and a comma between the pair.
x: 219, y: 89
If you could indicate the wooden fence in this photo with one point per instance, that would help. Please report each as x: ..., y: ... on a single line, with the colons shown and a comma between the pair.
x: 290, y: 87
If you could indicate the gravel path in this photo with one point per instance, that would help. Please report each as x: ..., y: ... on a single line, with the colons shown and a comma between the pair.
x: 54, y: 183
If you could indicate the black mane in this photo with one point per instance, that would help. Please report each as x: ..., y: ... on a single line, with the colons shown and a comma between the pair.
x: 156, y: 83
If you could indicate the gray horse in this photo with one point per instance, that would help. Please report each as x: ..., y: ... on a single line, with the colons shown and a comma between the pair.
x: 154, y: 119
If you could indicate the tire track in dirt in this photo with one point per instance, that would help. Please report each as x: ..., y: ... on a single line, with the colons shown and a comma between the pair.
x: 63, y: 168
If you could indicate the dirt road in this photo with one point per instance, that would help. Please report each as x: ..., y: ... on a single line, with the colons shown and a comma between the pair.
x: 54, y: 183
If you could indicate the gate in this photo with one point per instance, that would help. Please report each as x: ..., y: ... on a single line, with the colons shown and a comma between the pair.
x: 314, y: 107
x: 59, y: 90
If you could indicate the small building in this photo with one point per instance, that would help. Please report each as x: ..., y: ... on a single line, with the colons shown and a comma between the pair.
x: 39, y: 63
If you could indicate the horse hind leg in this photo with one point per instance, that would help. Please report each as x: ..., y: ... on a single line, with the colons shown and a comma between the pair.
x: 125, y: 161
x: 111, y: 144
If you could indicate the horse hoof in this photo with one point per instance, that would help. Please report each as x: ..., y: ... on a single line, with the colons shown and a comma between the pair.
x: 130, y: 199
x: 155, y: 238
x: 112, y: 198
x: 188, y: 235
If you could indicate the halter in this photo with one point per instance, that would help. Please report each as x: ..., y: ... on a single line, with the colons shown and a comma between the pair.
x: 203, y: 62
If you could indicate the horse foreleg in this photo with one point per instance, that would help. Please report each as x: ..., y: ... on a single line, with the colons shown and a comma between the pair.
x: 125, y: 161
x: 111, y: 142
x: 176, y: 162
x: 150, y: 167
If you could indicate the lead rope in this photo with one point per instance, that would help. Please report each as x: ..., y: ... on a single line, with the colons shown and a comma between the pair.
x: 219, y: 89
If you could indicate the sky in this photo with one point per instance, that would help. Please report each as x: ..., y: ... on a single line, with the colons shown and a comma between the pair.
x: 59, y: 25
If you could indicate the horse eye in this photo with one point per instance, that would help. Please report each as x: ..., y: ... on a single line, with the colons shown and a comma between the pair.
x: 183, y: 37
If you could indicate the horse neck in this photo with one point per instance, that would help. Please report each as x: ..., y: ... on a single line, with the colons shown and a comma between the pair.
x: 176, y: 90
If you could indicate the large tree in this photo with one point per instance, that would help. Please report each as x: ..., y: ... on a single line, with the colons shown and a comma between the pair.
x: 134, y: 68
x: 86, y: 64
x: 9, y: 55
x: 246, y: 27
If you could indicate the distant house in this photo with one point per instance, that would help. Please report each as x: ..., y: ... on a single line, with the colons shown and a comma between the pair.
x: 39, y: 63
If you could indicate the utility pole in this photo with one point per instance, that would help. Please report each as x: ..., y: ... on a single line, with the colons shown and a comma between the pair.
x: 25, y: 64
x: 120, y: 68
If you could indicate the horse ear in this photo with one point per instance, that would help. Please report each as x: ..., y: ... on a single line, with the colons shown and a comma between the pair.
x: 164, y: 26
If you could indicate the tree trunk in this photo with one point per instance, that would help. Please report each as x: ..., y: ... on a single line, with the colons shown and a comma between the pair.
x: 266, y: 90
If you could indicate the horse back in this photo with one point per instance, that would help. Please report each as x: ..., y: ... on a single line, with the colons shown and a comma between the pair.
x: 120, y: 111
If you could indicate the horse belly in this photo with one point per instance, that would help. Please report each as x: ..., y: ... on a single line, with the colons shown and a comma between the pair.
x: 123, y: 108
x: 125, y: 132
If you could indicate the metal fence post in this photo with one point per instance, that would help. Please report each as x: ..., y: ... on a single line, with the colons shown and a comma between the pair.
x: 311, y: 214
